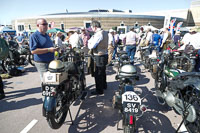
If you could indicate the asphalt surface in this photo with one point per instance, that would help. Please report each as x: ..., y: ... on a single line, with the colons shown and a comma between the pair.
x: 21, y: 110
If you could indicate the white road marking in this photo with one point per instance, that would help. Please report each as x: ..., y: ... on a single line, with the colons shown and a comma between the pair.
x: 29, y: 126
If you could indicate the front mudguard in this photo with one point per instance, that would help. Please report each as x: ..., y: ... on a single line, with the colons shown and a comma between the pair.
x: 48, y: 105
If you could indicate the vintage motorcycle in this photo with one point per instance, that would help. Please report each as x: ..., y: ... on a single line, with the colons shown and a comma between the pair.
x: 62, y: 85
x: 126, y: 100
x: 18, y: 56
x: 180, y: 90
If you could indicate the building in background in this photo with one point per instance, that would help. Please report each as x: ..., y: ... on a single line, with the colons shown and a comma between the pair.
x: 113, y: 18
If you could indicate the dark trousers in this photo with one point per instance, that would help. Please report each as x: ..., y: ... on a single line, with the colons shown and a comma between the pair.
x: 1, y: 86
x: 100, y: 72
x: 100, y: 79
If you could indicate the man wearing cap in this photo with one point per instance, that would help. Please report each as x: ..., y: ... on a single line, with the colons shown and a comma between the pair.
x: 42, y: 47
x: 98, y: 43
x: 111, y: 45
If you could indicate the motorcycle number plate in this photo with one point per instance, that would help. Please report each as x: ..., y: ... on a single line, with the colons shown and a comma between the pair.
x: 130, y: 96
x: 49, y: 77
x: 131, y: 107
x: 48, y: 90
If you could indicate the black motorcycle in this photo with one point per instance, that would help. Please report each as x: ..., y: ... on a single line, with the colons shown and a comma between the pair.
x: 180, y: 90
x: 125, y: 99
x: 62, y: 85
x: 18, y: 56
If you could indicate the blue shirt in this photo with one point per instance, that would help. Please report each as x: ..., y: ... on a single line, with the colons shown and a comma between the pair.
x: 38, y: 40
x: 20, y: 38
x: 156, y: 39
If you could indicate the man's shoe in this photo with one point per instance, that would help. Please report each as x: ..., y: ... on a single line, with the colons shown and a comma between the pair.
x: 96, y: 93
x: 2, y: 96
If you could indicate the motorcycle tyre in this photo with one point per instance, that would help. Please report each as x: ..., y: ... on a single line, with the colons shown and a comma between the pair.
x: 31, y: 59
x: 4, y: 65
x: 129, y: 129
x: 197, y: 122
x: 56, y: 125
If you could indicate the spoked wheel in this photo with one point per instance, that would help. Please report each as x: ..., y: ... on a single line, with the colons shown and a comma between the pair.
x: 160, y: 85
x: 56, y: 119
x: 194, y: 127
x: 5, y: 64
x: 31, y: 59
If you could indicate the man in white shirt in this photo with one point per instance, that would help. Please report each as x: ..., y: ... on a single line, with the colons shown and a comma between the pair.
x: 75, y: 40
x: 98, y: 43
x: 166, y: 39
x: 111, y: 45
x: 130, y: 41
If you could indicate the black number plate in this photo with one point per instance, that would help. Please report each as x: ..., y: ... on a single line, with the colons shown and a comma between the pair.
x: 48, y: 90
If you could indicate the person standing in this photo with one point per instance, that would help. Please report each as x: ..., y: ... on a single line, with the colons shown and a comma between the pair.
x: 166, y: 39
x: 156, y: 40
x: 130, y: 41
x: 116, y: 38
x: 177, y: 38
x: 20, y: 39
x: 42, y: 47
x: 98, y: 43
x: 111, y: 45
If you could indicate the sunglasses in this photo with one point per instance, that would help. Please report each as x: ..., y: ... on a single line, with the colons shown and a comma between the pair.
x: 44, y: 24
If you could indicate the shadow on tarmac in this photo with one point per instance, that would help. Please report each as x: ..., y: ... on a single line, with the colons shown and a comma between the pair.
x: 19, y: 104
x: 99, y: 114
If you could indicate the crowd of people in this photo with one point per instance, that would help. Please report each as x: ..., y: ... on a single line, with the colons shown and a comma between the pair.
x: 102, y: 44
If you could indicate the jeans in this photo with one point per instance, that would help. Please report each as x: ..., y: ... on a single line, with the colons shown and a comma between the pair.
x: 131, y: 49
x: 41, y: 68
x: 114, y: 52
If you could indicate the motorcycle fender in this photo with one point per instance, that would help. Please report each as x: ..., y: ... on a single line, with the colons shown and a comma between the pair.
x: 49, y: 103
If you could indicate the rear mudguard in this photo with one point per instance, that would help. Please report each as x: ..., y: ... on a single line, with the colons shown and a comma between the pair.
x: 49, y: 103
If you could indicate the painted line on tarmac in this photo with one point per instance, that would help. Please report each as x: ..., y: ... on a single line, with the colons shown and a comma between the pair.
x: 29, y: 126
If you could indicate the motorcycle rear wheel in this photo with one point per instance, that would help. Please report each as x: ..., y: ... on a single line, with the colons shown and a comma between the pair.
x: 129, y: 129
x: 56, y: 119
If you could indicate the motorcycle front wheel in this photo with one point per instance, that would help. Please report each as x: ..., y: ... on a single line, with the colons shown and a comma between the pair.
x: 194, y: 127
x: 56, y: 119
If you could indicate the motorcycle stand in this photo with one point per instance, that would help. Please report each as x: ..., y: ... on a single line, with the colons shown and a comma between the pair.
x: 185, y: 116
x: 72, y: 122
x: 118, y: 122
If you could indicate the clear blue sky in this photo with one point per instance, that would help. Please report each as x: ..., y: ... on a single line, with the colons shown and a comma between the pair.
x: 13, y: 9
